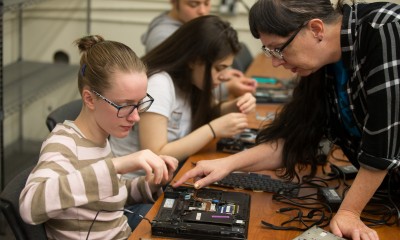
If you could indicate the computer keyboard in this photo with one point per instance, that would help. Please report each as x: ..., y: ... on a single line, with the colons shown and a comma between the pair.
x: 258, y: 182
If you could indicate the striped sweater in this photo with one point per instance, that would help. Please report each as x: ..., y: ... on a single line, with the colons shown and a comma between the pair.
x: 74, y: 180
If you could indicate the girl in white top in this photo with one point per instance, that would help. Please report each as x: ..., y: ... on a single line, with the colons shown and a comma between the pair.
x: 182, y: 72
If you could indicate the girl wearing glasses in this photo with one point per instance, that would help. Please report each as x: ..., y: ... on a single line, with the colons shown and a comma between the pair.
x: 76, y: 188
x: 183, y: 71
x: 348, y: 59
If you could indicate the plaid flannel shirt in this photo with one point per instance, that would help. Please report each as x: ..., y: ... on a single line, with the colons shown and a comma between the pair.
x: 370, y: 42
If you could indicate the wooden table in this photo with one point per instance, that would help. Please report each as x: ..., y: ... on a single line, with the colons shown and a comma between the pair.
x: 262, y: 208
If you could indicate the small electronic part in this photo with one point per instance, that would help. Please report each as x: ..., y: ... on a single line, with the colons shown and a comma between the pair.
x: 330, y: 196
x: 248, y: 135
x: 228, y: 208
x: 272, y: 95
x: 240, y: 142
x: 347, y: 172
x: 265, y: 80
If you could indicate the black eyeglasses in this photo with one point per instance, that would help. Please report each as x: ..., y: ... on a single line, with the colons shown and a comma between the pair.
x: 277, y: 52
x: 126, y: 110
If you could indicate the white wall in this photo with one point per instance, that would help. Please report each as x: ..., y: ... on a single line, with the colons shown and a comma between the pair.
x: 52, y: 25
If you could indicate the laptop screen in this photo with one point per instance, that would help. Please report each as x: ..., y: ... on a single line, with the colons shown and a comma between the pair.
x: 202, y: 214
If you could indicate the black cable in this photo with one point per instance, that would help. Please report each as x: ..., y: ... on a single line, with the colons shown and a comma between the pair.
x: 333, y: 175
x: 382, y: 198
x: 311, y: 202
x: 94, y: 219
x: 376, y: 208
x: 123, y: 210
x: 148, y: 220
x: 391, y: 174
x: 338, y: 172
x: 304, y: 219
x: 308, y: 205
x: 380, y: 210
x: 331, y: 153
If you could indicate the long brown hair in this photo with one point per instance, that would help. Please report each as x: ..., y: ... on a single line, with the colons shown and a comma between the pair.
x: 206, y: 40
x: 301, y: 122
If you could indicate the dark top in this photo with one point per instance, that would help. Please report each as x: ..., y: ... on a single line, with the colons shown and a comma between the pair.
x: 370, y: 41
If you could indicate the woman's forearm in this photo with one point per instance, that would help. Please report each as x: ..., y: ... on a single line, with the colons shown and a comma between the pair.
x: 362, y: 189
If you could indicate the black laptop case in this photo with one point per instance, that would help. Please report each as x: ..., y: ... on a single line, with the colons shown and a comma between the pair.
x: 202, y: 214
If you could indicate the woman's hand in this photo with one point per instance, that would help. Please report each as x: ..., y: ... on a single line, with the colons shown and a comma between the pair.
x: 229, y: 124
x: 348, y: 224
x: 347, y: 221
x: 205, y: 172
x: 159, y: 169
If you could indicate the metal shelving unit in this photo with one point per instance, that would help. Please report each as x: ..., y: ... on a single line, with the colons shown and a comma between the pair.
x: 22, y: 83
x: 6, y: 6
x: 1, y: 100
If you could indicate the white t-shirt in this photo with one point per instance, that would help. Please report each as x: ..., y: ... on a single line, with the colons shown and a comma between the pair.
x: 167, y: 102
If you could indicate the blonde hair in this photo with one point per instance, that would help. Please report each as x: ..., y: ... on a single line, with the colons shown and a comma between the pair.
x: 101, y: 58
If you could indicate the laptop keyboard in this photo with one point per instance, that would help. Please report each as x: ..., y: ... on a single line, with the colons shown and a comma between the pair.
x: 258, y: 182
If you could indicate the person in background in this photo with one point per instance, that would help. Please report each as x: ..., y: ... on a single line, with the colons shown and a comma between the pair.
x: 76, y: 188
x: 185, y: 116
x: 181, y: 12
x: 349, y: 92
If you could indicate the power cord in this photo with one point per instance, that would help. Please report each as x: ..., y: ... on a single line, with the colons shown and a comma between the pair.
x: 384, y: 197
x: 316, y: 214
x: 122, y: 210
x: 381, y: 210
x: 304, y: 219
x: 140, y: 215
x: 333, y: 149
x: 391, y: 175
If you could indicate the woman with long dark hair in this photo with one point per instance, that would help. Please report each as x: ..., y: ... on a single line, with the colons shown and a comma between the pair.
x: 348, y: 60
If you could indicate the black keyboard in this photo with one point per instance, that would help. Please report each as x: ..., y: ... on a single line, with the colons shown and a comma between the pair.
x: 258, y: 182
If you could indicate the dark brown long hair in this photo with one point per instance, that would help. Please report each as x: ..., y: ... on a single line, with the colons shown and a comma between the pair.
x: 205, y: 39
x: 301, y: 122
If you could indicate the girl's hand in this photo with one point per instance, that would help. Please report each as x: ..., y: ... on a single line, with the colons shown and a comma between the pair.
x: 238, y: 84
x: 172, y: 165
x: 246, y: 103
x: 229, y: 124
x: 156, y: 167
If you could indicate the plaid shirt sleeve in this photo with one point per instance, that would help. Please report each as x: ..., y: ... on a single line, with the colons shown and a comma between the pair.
x: 374, y: 87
